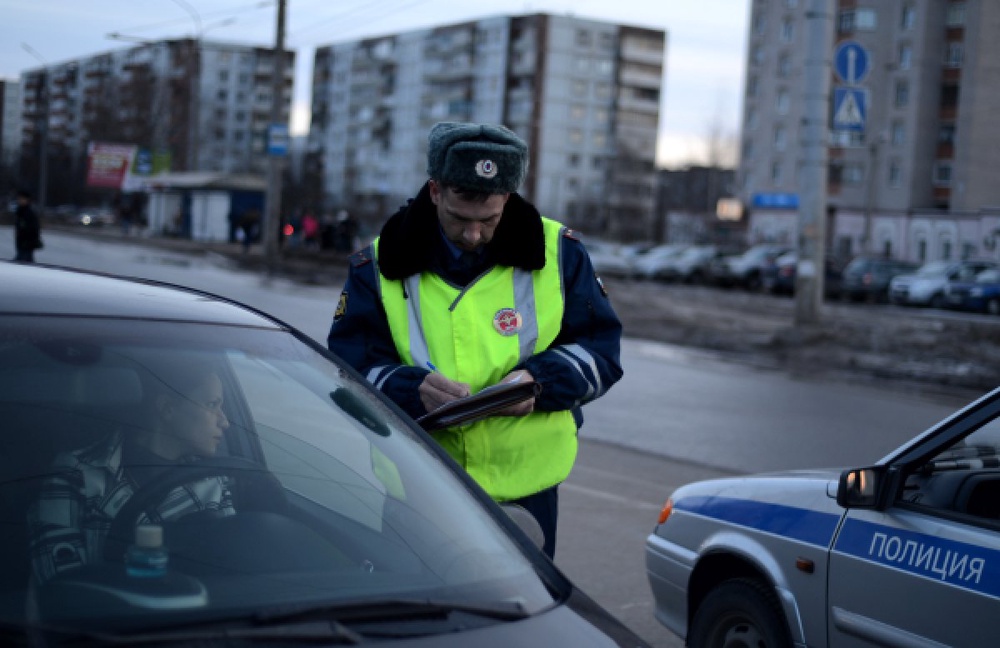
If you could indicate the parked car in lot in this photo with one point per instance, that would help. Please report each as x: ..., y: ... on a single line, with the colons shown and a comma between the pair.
x: 654, y: 263
x: 926, y: 286
x: 610, y: 259
x: 689, y: 265
x: 778, y: 276
x: 336, y: 519
x: 904, y: 552
x: 744, y: 269
x: 981, y: 295
x: 867, y: 278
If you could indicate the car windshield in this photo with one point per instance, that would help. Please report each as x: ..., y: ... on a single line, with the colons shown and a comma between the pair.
x: 988, y: 276
x: 305, y: 490
x: 934, y: 269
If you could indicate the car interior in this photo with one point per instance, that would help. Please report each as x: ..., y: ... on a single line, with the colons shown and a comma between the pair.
x: 962, y: 479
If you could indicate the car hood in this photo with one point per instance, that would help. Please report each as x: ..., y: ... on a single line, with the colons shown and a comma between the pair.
x: 799, y: 504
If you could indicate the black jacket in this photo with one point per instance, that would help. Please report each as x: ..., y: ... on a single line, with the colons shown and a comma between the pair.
x: 27, y: 228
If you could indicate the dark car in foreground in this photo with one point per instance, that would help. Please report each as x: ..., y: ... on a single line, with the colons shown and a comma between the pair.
x: 981, y: 295
x: 901, y: 552
x: 867, y: 278
x: 351, y: 526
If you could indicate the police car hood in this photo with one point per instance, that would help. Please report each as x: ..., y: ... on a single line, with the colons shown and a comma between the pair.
x: 777, y: 502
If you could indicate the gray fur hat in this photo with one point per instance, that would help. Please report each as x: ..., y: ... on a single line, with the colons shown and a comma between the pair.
x: 477, y: 157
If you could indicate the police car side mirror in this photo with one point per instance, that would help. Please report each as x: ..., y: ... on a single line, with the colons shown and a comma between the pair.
x: 864, y: 488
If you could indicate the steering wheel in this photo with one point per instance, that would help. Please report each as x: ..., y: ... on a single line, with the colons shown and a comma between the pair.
x: 256, y: 488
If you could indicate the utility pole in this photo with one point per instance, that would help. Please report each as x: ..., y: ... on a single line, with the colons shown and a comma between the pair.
x: 812, y: 207
x: 272, y: 202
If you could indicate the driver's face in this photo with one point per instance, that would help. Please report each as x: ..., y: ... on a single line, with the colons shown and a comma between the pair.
x: 199, y: 422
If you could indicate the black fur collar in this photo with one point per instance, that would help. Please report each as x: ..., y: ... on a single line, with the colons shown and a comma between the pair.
x: 409, y: 239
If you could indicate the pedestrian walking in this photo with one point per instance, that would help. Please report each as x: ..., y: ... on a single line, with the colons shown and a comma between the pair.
x: 27, y: 229
x: 468, y: 285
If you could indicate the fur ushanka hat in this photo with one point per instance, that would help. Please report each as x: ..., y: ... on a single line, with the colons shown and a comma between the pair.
x: 477, y: 157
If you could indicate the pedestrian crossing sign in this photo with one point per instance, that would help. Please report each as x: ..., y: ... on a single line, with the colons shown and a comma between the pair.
x: 850, y: 108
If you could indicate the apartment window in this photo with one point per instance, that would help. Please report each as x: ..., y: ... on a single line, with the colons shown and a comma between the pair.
x: 897, y: 133
x: 776, y: 173
x: 575, y: 135
x: 946, y: 134
x: 759, y: 24
x: 751, y: 120
x: 783, y: 103
x: 602, y: 90
x: 224, y: 75
x: 946, y: 250
x: 902, y: 95
x: 949, y: 96
x: 577, y: 112
x: 222, y: 95
x: 579, y: 89
x: 852, y: 174
x: 780, y: 137
x: 604, y: 66
x: 956, y: 14
x: 748, y: 149
x: 573, y: 161
x: 858, y: 20
x: 922, y: 250
x: 942, y: 174
x: 791, y: 4
x: 583, y: 64
x: 895, y: 174
x: 599, y: 140
x: 583, y: 38
x: 787, y: 30
x: 909, y: 17
x: 607, y: 41
x: 600, y: 116
x: 757, y: 55
x: 954, y: 54
x: 784, y: 65
x: 905, y: 56
x: 752, y: 86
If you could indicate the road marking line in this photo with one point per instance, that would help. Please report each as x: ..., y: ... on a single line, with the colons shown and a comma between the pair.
x: 593, y: 492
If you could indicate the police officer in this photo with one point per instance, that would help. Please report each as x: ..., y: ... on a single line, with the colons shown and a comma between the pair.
x: 468, y: 285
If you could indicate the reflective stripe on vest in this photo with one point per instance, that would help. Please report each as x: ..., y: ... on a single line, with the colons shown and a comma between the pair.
x: 477, y: 335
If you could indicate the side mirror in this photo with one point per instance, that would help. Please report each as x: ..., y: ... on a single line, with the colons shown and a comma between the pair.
x: 865, y: 488
x: 526, y: 522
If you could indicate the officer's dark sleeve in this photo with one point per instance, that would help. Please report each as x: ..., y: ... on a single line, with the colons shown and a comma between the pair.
x: 584, y: 361
x: 360, y: 336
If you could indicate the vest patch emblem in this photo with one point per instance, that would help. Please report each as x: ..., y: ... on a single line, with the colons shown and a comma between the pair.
x: 341, y: 307
x: 507, y: 322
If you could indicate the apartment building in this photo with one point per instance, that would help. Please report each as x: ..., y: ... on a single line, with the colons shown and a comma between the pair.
x: 196, y: 105
x: 913, y: 155
x: 584, y: 94
x: 10, y: 132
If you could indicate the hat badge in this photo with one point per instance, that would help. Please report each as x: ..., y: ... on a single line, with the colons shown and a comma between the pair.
x: 507, y: 322
x: 486, y: 169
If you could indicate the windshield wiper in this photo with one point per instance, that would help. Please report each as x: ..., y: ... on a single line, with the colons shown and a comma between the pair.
x: 394, y: 610
x: 325, y: 632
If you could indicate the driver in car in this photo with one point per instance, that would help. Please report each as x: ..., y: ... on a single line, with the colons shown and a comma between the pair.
x: 184, y: 422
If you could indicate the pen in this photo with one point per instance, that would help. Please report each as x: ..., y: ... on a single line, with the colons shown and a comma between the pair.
x: 430, y: 365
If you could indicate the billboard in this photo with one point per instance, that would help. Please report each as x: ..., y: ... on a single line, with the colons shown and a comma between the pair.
x: 109, y: 164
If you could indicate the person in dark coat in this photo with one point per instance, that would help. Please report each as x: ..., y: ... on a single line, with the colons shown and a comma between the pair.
x: 27, y: 230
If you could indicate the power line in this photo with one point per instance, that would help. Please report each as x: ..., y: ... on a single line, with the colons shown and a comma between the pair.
x: 261, y: 4
x: 383, y: 13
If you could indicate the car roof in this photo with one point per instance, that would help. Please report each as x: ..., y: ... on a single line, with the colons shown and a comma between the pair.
x: 48, y: 290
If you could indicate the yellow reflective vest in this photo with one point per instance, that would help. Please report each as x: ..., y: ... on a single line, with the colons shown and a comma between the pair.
x: 477, y: 335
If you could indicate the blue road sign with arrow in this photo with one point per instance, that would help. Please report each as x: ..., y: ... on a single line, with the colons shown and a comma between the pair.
x: 850, y: 62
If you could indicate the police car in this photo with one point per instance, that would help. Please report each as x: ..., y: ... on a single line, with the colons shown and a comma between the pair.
x: 905, y: 552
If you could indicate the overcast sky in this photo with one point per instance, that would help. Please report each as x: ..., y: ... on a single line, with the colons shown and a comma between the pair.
x: 706, y: 41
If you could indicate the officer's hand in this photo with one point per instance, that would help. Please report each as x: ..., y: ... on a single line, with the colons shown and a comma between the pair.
x: 524, y: 407
x: 436, y: 390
